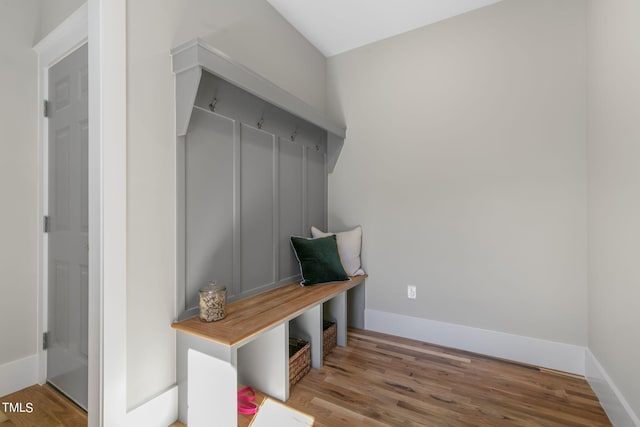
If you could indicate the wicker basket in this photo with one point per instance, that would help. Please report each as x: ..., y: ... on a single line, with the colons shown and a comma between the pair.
x: 299, y: 359
x: 328, y: 337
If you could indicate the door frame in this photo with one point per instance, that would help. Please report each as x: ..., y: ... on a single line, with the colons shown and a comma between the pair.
x: 61, y: 42
x: 101, y: 23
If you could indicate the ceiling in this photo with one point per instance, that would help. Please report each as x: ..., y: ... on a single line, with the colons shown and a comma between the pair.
x: 335, y: 26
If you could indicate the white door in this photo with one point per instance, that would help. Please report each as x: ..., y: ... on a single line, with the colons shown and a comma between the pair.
x: 67, y: 340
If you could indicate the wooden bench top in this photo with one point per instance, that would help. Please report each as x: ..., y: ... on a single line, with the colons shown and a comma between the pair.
x: 251, y: 316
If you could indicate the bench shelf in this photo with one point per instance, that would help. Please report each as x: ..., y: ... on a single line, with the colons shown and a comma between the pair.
x: 254, y: 336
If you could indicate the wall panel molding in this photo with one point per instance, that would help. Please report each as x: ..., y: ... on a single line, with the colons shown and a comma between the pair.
x: 249, y: 176
x: 230, y: 244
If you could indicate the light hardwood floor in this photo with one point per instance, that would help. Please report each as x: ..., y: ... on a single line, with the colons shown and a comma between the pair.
x: 50, y: 408
x: 380, y: 380
x: 383, y: 380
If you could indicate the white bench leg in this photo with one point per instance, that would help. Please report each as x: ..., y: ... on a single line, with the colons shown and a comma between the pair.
x: 264, y: 362
x: 336, y: 309
x: 309, y: 326
x: 212, y: 390
x: 185, y: 342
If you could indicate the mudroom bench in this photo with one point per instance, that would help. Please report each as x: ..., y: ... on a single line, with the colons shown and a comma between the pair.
x: 254, y: 335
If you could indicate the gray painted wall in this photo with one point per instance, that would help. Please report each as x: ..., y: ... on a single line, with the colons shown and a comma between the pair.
x: 18, y: 178
x: 614, y: 186
x: 54, y: 12
x: 22, y: 25
x: 465, y: 163
x: 475, y: 207
x: 252, y: 33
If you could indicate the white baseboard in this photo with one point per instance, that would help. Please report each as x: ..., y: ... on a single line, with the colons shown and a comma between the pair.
x: 162, y: 410
x: 18, y: 374
x: 534, y: 351
x: 615, y: 405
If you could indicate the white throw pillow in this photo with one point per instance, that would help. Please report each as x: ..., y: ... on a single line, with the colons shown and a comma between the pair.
x: 349, y: 247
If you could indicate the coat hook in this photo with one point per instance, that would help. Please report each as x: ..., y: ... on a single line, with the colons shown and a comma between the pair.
x: 294, y: 134
x: 260, y: 122
x: 212, y: 106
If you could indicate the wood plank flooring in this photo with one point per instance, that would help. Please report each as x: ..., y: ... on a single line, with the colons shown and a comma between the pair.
x: 381, y: 380
x: 50, y: 408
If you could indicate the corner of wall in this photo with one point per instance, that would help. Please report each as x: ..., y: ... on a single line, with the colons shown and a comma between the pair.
x: 615, y: 405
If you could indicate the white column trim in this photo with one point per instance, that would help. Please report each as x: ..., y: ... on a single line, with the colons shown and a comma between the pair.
x: 108, y: 209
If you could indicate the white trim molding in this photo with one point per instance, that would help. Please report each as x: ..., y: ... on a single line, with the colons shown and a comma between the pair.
x: 162, y: 410
x: 107, y: 213
x: 18, y: 374
x: 548, y: 354
x: 65, y: 38
x: 615, y: 405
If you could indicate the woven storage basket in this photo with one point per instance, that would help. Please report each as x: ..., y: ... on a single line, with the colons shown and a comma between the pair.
x: 299, y: 359
x: 328, y: 337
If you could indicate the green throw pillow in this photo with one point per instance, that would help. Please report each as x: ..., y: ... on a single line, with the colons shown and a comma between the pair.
x: 319, y: 260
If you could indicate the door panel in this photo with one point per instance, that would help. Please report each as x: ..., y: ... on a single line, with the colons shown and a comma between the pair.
x: 68, y: 233
x: 60, y: 179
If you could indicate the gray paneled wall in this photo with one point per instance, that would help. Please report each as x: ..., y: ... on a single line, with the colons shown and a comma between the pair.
x: 209, y: 209
x: 257, y: 206
x: 252, y: 175
x: 291, y: 220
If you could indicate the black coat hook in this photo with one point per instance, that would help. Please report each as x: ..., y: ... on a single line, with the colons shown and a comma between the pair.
x: 212, y: 105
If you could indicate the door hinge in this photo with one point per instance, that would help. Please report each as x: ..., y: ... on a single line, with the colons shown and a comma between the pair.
x: 46, y: 108
x: 46, y: 224
x: 45, y: 340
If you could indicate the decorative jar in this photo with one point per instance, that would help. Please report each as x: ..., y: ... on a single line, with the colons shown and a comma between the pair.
x: 213, y: 302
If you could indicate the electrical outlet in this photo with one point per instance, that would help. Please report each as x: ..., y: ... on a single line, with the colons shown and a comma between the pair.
x: 411, y: 291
